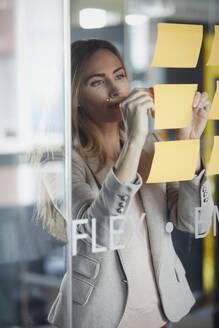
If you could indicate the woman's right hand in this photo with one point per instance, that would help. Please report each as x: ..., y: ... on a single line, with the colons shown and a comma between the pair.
x: 135, y: 110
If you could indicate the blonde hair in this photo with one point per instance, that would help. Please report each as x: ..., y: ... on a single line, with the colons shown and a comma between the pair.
x: 87, y: 138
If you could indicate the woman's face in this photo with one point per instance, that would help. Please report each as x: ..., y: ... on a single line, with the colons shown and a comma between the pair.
x: 103, y: 76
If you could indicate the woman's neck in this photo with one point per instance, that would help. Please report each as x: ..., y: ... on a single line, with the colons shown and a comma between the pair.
x: 111, y: 140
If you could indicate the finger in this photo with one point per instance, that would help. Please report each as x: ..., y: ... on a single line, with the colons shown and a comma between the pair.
x: 143, y: 104
x: 146, y: 104
x: 132, y: 96
x: 149, y: 90
x: 135, y: 94
x: 149, y: 105
x: 204, y: 99
x: 152, y: 112
x: 204, y: 111
x: 207, y: 106
x: 196, y: 99
x: 135, y: 100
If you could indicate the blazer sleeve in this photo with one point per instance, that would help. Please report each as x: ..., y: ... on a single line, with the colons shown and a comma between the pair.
x: 186, y: 196
x: 113, y: 199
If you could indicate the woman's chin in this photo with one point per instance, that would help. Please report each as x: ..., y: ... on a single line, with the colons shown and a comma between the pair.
x: 117, y: 117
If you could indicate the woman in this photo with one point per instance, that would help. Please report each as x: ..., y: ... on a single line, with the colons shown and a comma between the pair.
x: 142, y: 284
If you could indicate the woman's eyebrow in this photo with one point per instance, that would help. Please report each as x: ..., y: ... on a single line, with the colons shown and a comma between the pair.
x: 102, y: 74
x: 118, y: 69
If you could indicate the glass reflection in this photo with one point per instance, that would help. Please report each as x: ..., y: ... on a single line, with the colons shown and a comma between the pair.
x: 31, y: 105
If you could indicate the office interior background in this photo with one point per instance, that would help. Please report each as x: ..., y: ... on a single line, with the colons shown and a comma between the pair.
x: 32, y: 111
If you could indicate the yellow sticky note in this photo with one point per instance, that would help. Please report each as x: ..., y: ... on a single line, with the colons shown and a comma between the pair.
x: 213, y: 166
x: 178, y: 45
x: 214, y: 55
x: 174, y: 161
x: 214, y: 111
x: 173, y: 105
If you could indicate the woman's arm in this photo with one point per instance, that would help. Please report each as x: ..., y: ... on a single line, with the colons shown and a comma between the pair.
x: 113, y: 197
x: 127, y: 164
x: 184, y: 196
x: 135, y: 117
x: 182, y: 199
x: 197, y: 192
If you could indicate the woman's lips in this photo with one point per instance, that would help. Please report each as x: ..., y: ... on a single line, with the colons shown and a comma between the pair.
x: 115, y: 101
x: 116, y: 105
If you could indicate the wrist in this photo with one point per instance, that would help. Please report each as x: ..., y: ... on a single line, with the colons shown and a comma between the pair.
x: 137, y: 141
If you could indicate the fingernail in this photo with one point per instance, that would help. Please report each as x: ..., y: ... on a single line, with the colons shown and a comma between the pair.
x: 108, y: 99
x: 195, y: 103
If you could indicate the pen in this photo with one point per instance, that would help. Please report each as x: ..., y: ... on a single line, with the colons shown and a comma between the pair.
x: 115, y: 100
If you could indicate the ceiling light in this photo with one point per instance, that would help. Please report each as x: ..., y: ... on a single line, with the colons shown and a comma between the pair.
x: 92, y: 18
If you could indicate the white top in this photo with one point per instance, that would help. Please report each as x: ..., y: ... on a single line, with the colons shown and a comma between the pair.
x: 143, y: 307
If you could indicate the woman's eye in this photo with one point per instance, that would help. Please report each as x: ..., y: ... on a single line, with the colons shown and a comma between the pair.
x: 120, y: 76
x: 96, y: 83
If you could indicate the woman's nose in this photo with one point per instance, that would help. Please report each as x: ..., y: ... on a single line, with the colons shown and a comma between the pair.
x: 114, y: 91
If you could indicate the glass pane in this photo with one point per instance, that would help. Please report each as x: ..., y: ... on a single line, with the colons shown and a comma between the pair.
x: 32, y: 261
x: 137, y: 261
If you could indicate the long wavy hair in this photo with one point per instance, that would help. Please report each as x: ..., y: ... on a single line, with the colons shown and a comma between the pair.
x: 87, y: 139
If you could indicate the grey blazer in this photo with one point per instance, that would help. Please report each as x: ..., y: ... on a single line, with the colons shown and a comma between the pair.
x: 100, y: 284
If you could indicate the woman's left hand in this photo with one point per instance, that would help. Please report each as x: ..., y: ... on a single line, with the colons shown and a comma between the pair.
x: 200, y: 112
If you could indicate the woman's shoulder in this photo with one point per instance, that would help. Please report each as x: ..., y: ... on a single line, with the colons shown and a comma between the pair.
x: 56, y: 161
x: 76, y: 156
x: 60, y: 156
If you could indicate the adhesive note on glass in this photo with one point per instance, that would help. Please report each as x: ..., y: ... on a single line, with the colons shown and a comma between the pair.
x: 214, y: 55
x: 214, y: 111
x: 173, y: 105
x: 178, y: 45
x: 174, y: 161
x: 213, y: 167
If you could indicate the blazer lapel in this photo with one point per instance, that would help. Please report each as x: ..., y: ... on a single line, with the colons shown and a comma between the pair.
x: 151, y: 199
